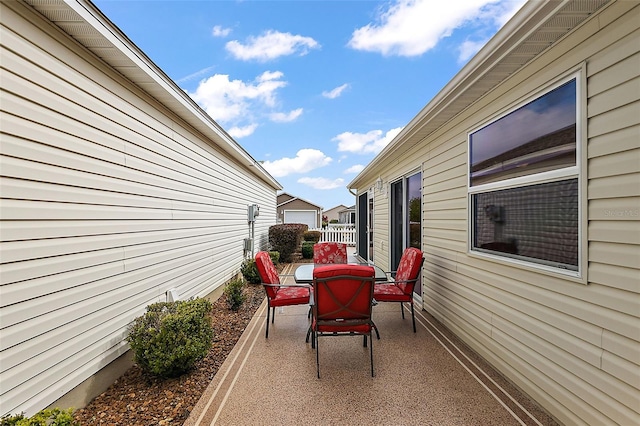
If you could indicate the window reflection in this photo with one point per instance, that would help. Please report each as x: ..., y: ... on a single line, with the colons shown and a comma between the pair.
x: 537, y: 137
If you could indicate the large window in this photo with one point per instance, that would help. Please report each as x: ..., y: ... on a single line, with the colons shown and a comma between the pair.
x: 524, y: 182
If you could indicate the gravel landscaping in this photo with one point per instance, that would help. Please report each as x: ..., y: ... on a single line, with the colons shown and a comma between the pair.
x: 139, y: 399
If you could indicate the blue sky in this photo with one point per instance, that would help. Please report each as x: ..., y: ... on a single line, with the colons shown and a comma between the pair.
x: 314, y: 89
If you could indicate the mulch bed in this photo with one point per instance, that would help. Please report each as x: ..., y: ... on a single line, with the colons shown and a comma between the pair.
x: 137, y: 398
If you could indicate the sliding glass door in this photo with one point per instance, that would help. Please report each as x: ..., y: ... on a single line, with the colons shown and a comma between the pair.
x: 406, y: 218
x: 364, y: 226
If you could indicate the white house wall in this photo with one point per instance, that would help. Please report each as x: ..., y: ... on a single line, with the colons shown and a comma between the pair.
x: 572, y: 344
x: 108, y: 201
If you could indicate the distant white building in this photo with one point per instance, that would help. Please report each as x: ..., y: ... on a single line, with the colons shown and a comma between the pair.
x: 333, y: 214
x: 347, y: 215
x: 292, y: 209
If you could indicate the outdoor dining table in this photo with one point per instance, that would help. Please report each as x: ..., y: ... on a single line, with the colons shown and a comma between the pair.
x: 304, y: 273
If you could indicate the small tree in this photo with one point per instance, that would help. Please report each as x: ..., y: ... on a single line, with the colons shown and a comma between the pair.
x: 234, y: 292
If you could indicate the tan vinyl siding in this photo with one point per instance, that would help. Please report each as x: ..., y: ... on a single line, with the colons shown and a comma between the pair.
x: 108, y: 201
x: 573, y: 344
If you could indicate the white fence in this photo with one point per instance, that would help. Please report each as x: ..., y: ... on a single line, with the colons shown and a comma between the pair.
x: 339, y: 234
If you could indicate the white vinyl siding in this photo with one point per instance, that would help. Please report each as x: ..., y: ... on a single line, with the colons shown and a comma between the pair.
x: 108, y: 200
x: 571, y: 343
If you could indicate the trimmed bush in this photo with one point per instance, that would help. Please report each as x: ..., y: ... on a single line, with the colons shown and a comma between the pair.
x: 249, y: 271
x: 286, y: 239
x: 234, y: 291
x: 307, y: 250
x: 171, y: 337
x: 275, y: 257
x: 48, y: 417
x: 313, y: 236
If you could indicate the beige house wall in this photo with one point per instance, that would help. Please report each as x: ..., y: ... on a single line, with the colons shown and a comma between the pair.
x: 109, y: 199
x: 573, y: 344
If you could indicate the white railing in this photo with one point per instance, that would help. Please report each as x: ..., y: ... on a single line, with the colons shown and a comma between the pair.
x: 338, y: 234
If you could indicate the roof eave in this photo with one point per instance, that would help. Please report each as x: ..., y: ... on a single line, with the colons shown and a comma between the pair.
x: 523, y: 26
x: 128, y: 60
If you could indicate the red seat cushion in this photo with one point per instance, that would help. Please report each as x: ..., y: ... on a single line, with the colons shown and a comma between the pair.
x: 389, y: 292
x: 291, y: 296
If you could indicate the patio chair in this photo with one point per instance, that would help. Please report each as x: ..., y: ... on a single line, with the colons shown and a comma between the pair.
x: 400, y: 289
x: 278, y: 294
x: 342, y: 304
x: 329, y: 253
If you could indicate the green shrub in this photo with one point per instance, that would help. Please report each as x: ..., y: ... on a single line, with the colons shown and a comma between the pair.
x: 286, y: 239
x: 235, y: 294
x: 313, y: 236
x: 48, y: 417
x: 275, y: 257
x: 307, y: 250
x: 171, y: 337
x: 250, y: 271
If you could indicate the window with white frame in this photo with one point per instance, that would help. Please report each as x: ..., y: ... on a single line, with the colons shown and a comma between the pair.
x: 524, y: 181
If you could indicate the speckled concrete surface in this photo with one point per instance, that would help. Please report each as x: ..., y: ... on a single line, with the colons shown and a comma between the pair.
x: 421, y: 378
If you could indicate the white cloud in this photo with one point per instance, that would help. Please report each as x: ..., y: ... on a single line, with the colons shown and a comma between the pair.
x: 271, y: 45
x: 240, y: 104
x: 322, y: 183
x: 357, y: 168
x: 365, y: 143
x: 286, y: 117
x: 412, y: 27
x: 241, y: 132
x: 218, y: 31
x: 332, y: 94
x: 469, y: 48
x: 305, y: 160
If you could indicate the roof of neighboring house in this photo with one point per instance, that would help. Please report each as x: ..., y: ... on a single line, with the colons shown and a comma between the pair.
x: 337, y: 208
x: 84, y: 22
x: 284, y: 198
x: 531, y: 31
x: 346, y: 209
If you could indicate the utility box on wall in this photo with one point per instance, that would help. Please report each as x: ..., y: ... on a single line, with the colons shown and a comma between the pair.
x: 248, y: 244
x: 252, y: 212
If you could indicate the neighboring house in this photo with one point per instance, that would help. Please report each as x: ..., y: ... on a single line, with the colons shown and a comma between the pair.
x: 116, y: 188
x: 333, y: 213
x: 347, y: 215
x: 520, y: 181
x: 296, y: 210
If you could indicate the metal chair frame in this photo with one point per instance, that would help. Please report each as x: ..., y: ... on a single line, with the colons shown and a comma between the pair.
x: 351, y: 323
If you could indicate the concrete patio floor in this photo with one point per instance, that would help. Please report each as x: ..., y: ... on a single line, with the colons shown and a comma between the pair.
x: 423, y: 378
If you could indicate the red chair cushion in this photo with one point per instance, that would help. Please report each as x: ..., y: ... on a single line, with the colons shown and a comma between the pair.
x: 329, y: 253
x: 390, y: 292
x: 343, y: 291
x: 408, y: 269
x: 278, y: 296
x: 288, y: 296
x: 268, y: 273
